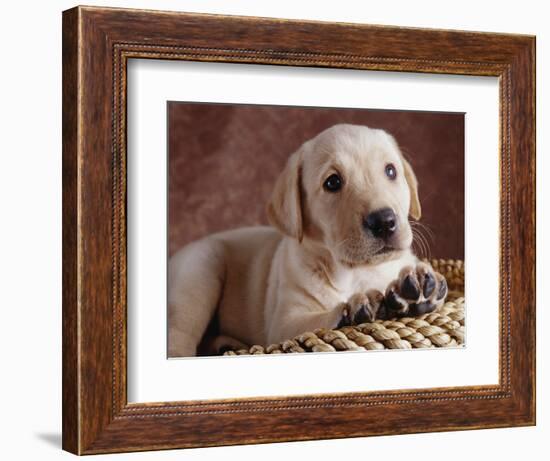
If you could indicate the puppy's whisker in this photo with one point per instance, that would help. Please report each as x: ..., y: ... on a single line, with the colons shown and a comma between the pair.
x: 424, y: 227
x: 420, y: 239
x: 418, y: 245
x: 425, y: 244
x: 428, y: 238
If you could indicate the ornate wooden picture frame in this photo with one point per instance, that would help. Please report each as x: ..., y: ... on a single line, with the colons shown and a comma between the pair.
x: 97, y: 44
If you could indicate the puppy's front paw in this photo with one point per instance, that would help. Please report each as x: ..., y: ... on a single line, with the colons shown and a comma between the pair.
x: 417, y: 291
x: 360, y: 308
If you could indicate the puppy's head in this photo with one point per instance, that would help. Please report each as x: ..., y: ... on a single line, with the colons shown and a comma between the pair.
x: 351, y: 190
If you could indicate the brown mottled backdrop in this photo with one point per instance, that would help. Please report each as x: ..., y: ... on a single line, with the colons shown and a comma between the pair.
x: 224, y: 159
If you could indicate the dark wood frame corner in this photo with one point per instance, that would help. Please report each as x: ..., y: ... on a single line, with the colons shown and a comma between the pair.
x: 97, y: 43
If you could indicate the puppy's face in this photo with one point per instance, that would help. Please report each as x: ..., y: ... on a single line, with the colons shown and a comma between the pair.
x: 350, y: 189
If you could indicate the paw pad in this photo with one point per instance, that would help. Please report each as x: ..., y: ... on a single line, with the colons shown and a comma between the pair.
x: 418, y: 290
x: 361, y: 308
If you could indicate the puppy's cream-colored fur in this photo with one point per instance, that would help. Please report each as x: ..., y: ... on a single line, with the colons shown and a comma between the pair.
x: 268, y: 284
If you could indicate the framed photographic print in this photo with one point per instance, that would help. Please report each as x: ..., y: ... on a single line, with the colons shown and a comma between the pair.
x: 281, y: 230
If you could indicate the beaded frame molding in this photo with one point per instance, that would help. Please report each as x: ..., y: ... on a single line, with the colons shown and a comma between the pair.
x: 97, y: 44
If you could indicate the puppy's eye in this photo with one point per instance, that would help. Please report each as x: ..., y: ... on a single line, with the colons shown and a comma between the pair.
x: 333, y: 183
x: 391, y: 172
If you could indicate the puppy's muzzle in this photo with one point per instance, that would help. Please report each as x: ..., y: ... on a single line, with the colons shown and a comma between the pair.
x: 381, y: 223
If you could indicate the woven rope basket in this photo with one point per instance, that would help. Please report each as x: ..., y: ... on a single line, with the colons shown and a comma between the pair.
x: 444, y: 328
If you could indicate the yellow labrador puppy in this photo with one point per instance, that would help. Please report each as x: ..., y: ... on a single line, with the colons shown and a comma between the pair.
x: 339, y: 251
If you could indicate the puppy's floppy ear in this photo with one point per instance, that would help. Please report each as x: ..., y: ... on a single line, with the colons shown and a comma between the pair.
x: 284, y: 209
x: 410, y: 177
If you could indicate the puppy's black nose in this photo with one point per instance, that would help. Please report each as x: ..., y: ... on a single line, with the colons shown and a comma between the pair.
x: 382, y: 223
